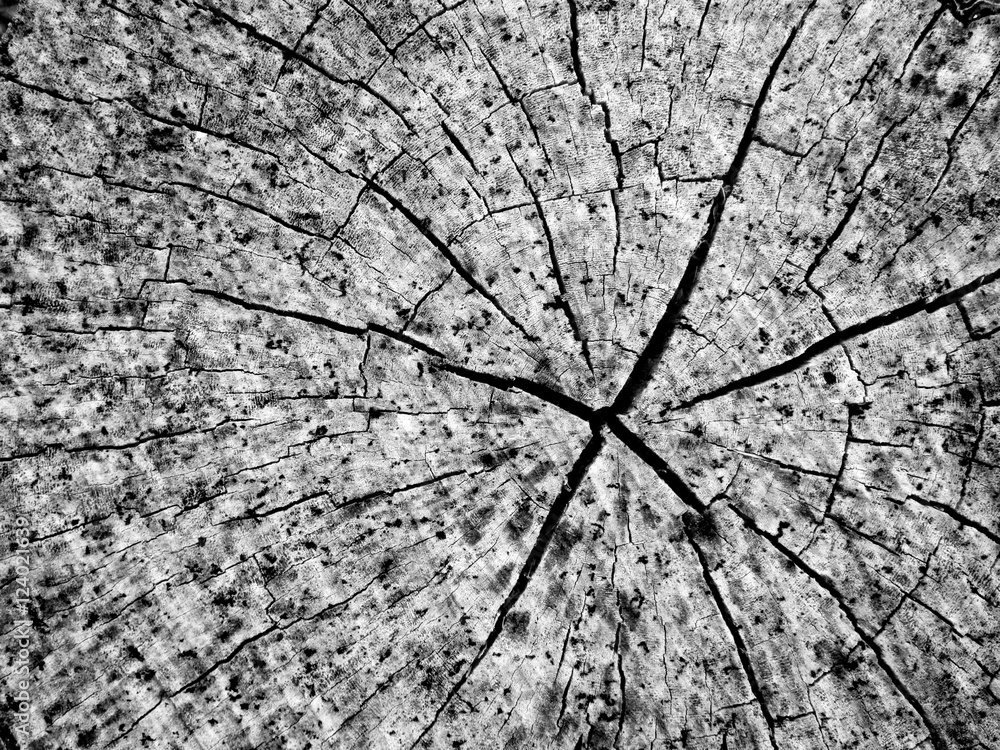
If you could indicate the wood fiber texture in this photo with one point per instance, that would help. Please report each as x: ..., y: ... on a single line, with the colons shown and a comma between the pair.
x: 500, y: 374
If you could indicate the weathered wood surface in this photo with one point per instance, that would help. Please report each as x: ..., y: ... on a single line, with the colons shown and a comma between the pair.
x: 542, y: 374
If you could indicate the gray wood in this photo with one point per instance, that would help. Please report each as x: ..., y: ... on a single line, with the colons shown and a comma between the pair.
x: 530, y: 374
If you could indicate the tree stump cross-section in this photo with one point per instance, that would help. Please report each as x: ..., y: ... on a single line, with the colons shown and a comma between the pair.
x: 500, y: 374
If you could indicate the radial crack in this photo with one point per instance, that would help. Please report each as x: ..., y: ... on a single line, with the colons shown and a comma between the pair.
x: 838, y: 338
x: 563, y: 300
x: 616, y: 151
x: 422, y: 226
x: 734, y: 632
x: 827, y: 585
x: 287, y: 52
x: 658, y: 341
x: 539, y: 390
x: 652, y: 459
x: 556, y: 511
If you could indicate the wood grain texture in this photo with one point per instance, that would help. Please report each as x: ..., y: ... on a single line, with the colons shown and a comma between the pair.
x: 500, y: 374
